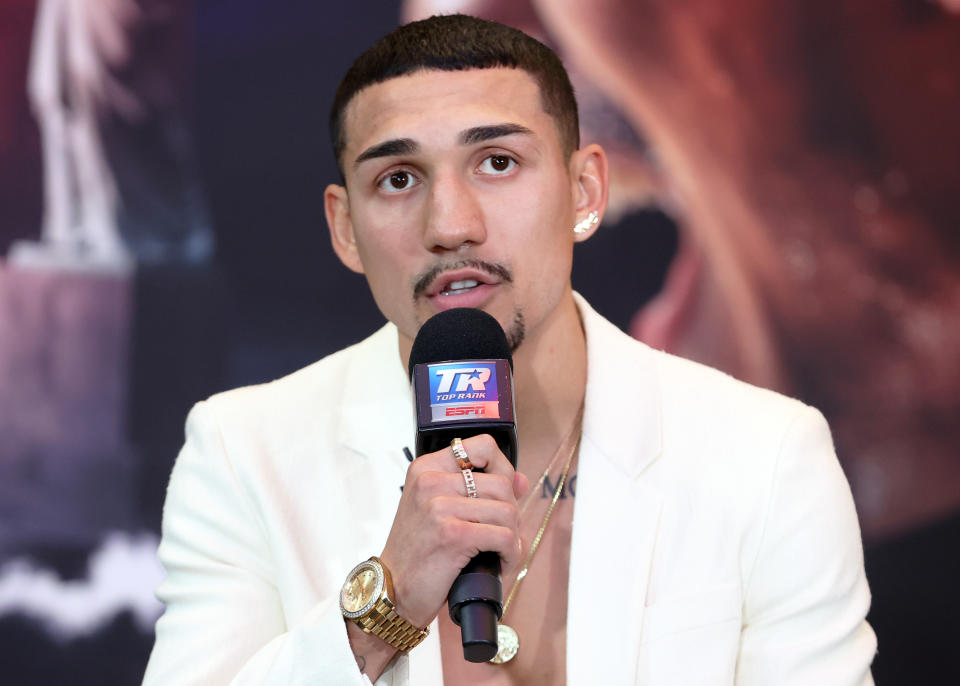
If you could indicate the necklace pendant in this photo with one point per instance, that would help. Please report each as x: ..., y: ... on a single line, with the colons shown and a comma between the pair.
x: 508, y: 644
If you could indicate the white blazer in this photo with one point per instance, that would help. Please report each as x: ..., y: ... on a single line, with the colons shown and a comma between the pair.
x: 714, y: 539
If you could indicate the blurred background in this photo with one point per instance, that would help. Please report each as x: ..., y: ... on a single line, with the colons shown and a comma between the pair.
x: 785, y: 206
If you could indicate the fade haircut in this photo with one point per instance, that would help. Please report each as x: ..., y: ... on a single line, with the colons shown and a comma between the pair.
x: 456, y: 42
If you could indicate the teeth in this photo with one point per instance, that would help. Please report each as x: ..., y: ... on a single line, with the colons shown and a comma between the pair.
x: 458, y: 287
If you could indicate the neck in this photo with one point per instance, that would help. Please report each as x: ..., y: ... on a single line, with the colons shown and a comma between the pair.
x: 550, y: 374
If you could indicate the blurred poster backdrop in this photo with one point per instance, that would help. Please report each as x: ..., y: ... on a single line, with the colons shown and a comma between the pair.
x: 785, y: 207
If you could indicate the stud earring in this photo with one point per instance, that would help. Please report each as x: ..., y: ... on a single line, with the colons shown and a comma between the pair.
x: 587, y: 223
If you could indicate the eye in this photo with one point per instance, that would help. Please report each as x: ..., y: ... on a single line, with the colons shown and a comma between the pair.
x: 397, y: 181
x: 497, y: 164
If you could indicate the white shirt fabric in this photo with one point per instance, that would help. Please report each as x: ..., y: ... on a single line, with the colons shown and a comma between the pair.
x: 714, y: 539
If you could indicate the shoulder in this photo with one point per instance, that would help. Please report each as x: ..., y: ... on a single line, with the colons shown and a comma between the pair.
x: 682, y: 391
x: 304, y: 396
x: 717, y: 399
x: 733, y: 437
x: 705, y: 424
x: 754, y: 460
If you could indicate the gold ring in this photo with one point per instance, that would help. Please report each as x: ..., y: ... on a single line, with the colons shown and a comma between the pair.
x: 470, y: 483
x: 466, y: 468
x: 460, y: 454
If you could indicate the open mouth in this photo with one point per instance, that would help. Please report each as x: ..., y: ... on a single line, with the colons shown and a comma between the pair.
x: 459, y: 287
x: 465, y: 283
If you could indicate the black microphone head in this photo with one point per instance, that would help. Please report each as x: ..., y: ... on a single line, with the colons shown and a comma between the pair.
x: 462, y: 333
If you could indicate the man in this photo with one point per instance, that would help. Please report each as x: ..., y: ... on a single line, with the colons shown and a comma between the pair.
x: 715, y: 537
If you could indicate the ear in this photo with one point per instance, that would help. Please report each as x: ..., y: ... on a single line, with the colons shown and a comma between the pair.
x: 336, y: 205
x: 588, y: 172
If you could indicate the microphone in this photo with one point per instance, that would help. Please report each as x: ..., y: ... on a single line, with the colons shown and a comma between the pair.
x: 461, y: 369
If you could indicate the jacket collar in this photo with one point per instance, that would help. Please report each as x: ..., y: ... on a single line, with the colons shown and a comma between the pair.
x: 376, y: 416
x: 622, y: 404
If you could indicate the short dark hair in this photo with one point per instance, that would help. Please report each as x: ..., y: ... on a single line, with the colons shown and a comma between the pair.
x: 457, y: 42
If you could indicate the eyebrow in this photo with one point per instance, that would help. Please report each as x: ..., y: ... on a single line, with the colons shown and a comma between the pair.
x: 397, y: 146
x: 408, y: 146
x: 478, y: 134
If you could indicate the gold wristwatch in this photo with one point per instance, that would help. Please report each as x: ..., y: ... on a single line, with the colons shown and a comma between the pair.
x: 367, y: 599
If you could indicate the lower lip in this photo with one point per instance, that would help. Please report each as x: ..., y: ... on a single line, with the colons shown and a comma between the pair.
x: 475, y: 297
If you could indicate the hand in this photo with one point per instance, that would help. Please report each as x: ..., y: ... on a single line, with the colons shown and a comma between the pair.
x: 438, y: 529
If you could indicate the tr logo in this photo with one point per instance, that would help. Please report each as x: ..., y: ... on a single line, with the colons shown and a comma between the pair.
x: 473, y: 378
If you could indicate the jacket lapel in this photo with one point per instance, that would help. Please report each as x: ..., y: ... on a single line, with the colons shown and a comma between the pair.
x: 616, y: 514
x: 376, y: 417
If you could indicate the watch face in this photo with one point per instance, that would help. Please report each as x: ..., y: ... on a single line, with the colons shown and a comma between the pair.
x: 361, y: 590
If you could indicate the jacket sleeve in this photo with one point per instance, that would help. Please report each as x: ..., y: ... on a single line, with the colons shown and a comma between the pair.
x: 223, y: 622
x: 806, y: 598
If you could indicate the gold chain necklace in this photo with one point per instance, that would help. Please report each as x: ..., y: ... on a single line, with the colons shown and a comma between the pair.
x: 508, y: 642
x: 556, y: 456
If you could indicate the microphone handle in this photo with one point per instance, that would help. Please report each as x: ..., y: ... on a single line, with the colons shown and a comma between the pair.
x: 476, y: 604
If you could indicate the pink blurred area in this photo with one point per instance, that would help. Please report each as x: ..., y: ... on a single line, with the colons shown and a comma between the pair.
x: 64, y: 365
x: 64, y: 340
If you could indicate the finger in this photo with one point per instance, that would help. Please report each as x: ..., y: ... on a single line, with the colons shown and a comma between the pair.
x: 430, y: 466
x: 492, y: 487
x: 485, y: 454
x: 430, y: 485
x: 476, y: 510
x: 521, y: 485
x: 479, y: 537
x: 442, y: 460
x: 483, y: 449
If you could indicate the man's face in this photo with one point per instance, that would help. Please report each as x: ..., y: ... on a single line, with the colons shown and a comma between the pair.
x: 458, y: 194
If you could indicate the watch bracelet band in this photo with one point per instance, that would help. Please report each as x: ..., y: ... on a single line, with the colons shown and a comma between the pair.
x: 384, y: 623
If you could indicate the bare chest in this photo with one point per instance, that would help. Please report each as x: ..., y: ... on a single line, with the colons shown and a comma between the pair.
x: 538, y: 611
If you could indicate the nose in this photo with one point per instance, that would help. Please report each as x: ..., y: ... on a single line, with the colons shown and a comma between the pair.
x: 454, y: 216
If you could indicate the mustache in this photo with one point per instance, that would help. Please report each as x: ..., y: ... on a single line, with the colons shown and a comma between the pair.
x: 423, y: 281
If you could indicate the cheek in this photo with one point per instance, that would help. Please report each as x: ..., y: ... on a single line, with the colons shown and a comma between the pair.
x: 382, y: 245
x: 388, y: 252
x: 545, y: 245
x: 536, y: 226
x: 530, y: 214
x: 382, y: 268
